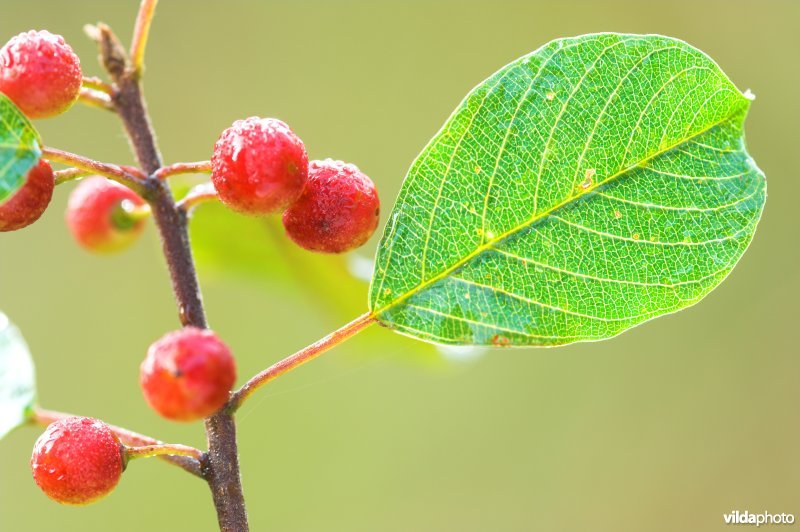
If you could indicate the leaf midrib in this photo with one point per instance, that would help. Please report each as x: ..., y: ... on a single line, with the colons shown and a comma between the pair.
x: 491, y: 243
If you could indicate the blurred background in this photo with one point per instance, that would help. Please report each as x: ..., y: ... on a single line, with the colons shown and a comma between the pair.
x: 664, y: 428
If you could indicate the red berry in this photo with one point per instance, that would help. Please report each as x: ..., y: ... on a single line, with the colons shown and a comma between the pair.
x: 40, y: 73
x: 259, y: 166
x: 338, y: 210
x: 97, y: 215
x: 188, y: 374
x: 77, y: 460
x: 30, y: 201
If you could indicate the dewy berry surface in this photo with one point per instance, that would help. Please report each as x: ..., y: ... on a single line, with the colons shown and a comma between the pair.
x: 188, y: 374
x: 96, y: 217
x: 77, y: 460
x: 259, y: 166
x: 338, y: 210
x: 30, y: 201
x: 40, y: 73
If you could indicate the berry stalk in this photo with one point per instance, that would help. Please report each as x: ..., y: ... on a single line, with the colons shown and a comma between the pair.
x: 192, y: 465
x: 199, y: 194
x: 94, y: 98
x: 141, y: 32
x: 199, y: 167
x: 163, y: 449
x: 124, y: 176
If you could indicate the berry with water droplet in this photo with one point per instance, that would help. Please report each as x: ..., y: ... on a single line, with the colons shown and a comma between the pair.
x: 40, y: 73
x: 259, y: 166
x: 29, y: 202
x: 338, y: 210
x: 188, y: 374
x: 99, y: 215
x: 77, y: 460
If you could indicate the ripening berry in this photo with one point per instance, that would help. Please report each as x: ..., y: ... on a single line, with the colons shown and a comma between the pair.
x: 29, y: 202
x: 259, y: 166
x: 98, y: 215
x: 77, y: 460
x: 338, y: 210
x: 40, y: 73
x: 187, y: 374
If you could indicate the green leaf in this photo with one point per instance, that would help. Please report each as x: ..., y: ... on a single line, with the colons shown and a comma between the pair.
x: 20, y: 148
x: 594, y: 184
x: 17, y: 385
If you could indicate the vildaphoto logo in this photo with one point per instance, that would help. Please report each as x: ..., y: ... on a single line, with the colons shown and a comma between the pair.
x: 765, y: 518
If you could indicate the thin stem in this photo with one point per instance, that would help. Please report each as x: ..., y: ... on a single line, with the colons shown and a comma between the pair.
x: 98, y: 85
x: 94, y: 98
x: 70, y: 174
x: 135, y: 181
x: 191, y: 464
x: 200, y: 194
x: 199, y: 167
x: 141, y: 32
x: 163, y: 449
x: 301, y: 357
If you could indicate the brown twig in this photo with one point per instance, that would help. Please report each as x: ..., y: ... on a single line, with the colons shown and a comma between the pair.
x: 221, y: 469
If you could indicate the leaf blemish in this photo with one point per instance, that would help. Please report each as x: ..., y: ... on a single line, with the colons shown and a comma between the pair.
x: 500, y: 341
x: 587, y: 179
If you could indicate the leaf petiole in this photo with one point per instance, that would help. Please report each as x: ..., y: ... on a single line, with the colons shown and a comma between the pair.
x: 301, y: 357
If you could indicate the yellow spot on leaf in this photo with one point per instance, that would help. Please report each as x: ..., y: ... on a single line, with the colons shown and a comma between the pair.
x: 587, y: 179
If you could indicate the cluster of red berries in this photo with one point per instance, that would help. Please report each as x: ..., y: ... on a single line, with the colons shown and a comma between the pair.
x: 260, y: 167
x: 41, y: 74
x: 187, y: 375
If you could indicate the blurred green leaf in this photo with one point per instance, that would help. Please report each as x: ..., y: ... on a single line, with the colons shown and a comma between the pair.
x: 592, y: 185
x: 229, y: 244
x: 17, y: 383
x: 19, y: 147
